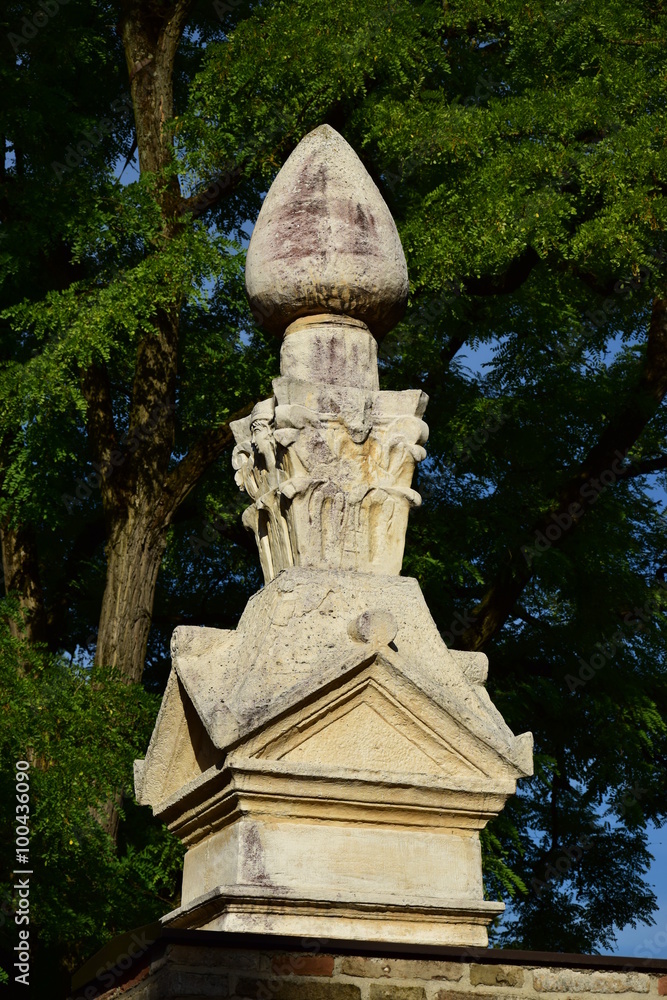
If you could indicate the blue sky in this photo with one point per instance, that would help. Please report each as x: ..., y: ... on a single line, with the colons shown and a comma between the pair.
x: 650, y: 942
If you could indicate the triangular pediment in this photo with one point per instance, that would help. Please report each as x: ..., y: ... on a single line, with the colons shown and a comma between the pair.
x: 295, y: 640
x: 180, y: 748
x: 367, y: 726
x: 364, y: 739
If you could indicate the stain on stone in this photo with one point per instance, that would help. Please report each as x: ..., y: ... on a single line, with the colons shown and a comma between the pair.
x: 325, y: 241
x: 253, y: 852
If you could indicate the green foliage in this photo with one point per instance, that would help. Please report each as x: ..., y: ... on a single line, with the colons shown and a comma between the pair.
x: 521, y: 150
x: 499, y: 878
x: 80, y: 729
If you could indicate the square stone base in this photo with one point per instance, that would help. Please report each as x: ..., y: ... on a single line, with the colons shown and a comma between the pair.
x: 386, y: 918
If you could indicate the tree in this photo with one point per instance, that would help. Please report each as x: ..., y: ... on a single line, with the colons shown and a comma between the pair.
x: 68, y: 740
x: 521, y: 153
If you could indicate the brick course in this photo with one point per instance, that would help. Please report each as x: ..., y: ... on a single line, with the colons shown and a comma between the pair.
x: 476, y: 995
x: 279, y: 988
x: 301, y: 965
x: 399, y: 968
x: 172, y: 970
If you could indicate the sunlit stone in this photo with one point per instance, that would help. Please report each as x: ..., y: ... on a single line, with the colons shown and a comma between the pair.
x: 325, y: 242
x: 329, y: 763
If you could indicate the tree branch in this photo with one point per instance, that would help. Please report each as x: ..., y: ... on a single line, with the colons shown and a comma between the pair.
x: 509, y: 281
x: 151, y: 35
x: 100, y: 427
x: 517, y: 272
x: 220, y: 187
x: 201, y: 457
x: 445, y: 358
x: 171, y: 34
x: 600, y: 468
x: 644, y: 468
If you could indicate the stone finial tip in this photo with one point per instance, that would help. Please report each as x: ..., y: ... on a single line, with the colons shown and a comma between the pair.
x: 325, y: 242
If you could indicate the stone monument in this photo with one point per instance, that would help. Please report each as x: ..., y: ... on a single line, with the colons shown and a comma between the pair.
x: 329, y: 763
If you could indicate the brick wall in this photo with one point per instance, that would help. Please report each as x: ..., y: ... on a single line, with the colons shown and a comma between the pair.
x: 146, y: 968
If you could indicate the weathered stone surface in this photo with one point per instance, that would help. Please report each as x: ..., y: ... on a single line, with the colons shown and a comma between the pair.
x: 296, y: 701
x: 495, y: 975
x: 569, y: 981
x: 325, y: 242
x: 360, y: 916
x: 329, y: 469
x: 377, y: 627
x: 474, y: 666
x: 662, y: 986
x: 297, y: 964
x: 293, y: 641
x: 310, y: 859
x: 399, y: 968
x: 380, y: 991
x: 335, y: 350
x: 287, y: 989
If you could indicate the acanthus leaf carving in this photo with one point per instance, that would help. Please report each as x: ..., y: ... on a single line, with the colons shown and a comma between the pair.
x: 331, y: 487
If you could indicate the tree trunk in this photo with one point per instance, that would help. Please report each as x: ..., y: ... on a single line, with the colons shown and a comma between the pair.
x: 137, y: 519
x: 134, y: 552
x: 141, y: 497
x: 22, y: 579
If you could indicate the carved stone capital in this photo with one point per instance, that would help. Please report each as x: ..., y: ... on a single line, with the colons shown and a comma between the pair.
x: 330, y: 475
